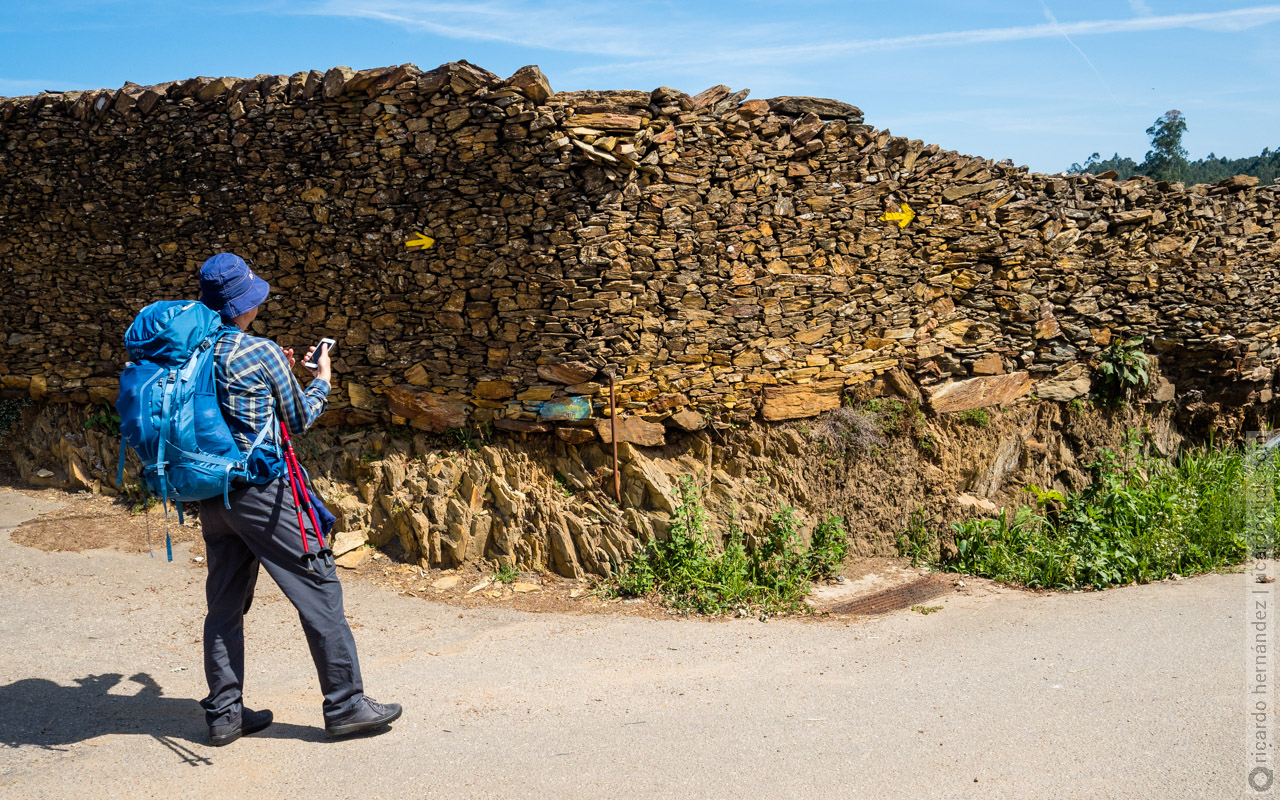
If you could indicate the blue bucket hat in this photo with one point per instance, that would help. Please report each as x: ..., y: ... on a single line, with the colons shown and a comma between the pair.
x: 228, y: 286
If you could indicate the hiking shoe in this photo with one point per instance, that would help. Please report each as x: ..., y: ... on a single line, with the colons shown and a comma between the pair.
x: 369, y: 715
x: 249, y: 722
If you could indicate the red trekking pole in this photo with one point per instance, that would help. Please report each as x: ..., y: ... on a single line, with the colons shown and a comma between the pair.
x: 302, y: 500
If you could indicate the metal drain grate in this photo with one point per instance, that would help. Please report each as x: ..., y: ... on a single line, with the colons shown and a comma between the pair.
x: 897, y: 598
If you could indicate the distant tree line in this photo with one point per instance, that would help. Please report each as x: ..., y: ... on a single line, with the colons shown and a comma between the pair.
x: 1167, y: 159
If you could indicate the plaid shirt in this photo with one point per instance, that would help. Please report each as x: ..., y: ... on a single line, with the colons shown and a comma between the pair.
x: 254, y: 380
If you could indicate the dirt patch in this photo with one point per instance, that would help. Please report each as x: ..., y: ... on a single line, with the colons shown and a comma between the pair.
x: 471, y: 587
x: 90, y: 522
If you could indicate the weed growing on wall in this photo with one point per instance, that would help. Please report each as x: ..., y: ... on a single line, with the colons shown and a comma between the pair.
x: 863, y: 429
x: 927, y: 444
x: 10, y: 412
x: 1123, y: 370
x: 847, y: 431
x: 104, y: 419
x: 895, y: 417
x: 690, y: 575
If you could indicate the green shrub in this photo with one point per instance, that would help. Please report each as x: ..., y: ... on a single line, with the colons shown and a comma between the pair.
x: 689, y: 575
x: 1013, y: 549
x: 1142, y: 518
x: 828, y: 548
x: 636, y: 579
x: 918, y: 541
x: 977, y: 417
x: 779, y: 564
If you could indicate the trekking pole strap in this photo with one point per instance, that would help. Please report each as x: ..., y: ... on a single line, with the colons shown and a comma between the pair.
x: 306, y: 496
x: 293, y: 487
x: 295, y: 475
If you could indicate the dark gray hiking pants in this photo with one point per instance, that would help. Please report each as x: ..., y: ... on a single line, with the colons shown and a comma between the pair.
x: 261, y: 527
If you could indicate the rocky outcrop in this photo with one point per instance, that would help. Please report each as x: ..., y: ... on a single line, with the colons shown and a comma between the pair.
x: 546, y: 504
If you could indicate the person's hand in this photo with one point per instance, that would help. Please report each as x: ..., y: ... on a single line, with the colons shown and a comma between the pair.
x: 323, y: 369
x: 288, y: 355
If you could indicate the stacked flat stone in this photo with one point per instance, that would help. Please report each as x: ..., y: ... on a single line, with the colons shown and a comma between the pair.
x: 715, y: 255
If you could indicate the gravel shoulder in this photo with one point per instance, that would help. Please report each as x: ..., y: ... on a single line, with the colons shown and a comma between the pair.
x: 1133, y: 692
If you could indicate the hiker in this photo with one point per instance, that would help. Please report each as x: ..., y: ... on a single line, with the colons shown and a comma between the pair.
x: 255, y: 384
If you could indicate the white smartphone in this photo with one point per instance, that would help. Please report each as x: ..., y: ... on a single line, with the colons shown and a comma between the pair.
x: 325, y: 344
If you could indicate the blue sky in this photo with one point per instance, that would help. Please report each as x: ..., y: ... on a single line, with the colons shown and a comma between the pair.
x: 1043, y: 83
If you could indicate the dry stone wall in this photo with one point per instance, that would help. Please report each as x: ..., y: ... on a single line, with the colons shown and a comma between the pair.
x: 719, y: 255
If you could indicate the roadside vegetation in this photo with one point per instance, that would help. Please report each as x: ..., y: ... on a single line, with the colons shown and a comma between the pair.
x: 506, y: 573
x: 1142, y: 518
x: 691, y: 571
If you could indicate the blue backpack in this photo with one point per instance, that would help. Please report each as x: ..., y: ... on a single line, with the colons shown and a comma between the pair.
x: 169, y: 410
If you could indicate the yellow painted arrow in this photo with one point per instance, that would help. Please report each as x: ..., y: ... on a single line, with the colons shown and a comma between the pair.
x: 420, y: 240
x: 903, y: 218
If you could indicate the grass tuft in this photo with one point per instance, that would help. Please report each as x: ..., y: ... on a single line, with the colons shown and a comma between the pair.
x: 506, y: 573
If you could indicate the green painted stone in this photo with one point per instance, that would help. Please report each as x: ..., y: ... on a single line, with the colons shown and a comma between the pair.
x: 571, y: 410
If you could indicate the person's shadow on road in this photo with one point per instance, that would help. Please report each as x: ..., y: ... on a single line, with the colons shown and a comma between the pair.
x: 37, y: 712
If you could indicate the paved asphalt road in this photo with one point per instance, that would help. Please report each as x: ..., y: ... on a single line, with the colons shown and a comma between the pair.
x: 1135, y: 692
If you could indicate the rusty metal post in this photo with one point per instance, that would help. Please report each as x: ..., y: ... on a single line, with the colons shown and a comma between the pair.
x: 613, y: 434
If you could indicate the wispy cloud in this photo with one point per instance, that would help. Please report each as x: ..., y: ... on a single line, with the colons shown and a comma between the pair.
x: 674, y: 40
x: 570, y: 27
x: 1221, y: 21
x: 1054, y: 22
x: 589, y: 28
